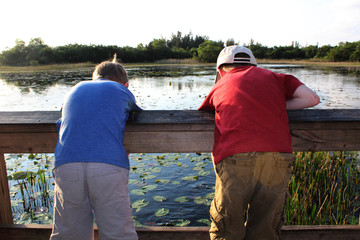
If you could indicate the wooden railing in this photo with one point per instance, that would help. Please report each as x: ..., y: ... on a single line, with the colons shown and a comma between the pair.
x: 172, y: 132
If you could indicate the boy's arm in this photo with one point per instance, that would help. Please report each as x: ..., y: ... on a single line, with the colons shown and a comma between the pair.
x: 303, y: 97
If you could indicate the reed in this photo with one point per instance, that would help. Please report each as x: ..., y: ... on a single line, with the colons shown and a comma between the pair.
x: 324, y: 189
x: 35, y: 196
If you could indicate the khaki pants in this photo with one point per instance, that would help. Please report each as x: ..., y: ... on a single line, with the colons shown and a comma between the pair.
x: 85, y: 189
x: 250, y: 195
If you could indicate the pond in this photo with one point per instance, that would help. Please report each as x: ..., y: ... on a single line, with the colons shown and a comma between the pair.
x: 169, y: 87
x: 165, y: 189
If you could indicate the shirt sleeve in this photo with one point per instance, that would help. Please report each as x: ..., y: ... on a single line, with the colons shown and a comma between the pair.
x: 135, y: 107
x: 291, y: 83
x: 207, y: 104
x: 58, y: 124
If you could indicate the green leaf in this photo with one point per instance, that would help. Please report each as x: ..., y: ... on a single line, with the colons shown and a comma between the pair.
x: 150, y: 187
x: 202, y: 200
x: 138, y: 192
x: 191, y: 178
x: 159, y: 198
x: 204, y: 221
x: 140, y: 203
x: 146, y: 176
x: 181, y: 222
x: 210, y: 195
x: 162, y: 181
x: 203, y: 173
x: 156, y: 170
x: 134, y: 181
x: 21, y: 175
x: 182, y: 199
x: 161, y: 212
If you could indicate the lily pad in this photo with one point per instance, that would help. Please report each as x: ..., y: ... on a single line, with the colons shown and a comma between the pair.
x: 162, y: 181
x: 147, y: 176
x: 202, y: 200
x: 150, y: 187
x: 191, y: 178
x: 138, y: 192
x: 210, y: 195
x: 161, y: 212
x: 175, y: 182
x: 140, y: 203
x: 182, y: 199
x: 134, y: 181
x: 22, y: 175
x: 203, y: 173
x: 204, y: 221
x: 156, y: 170
x: 181, y: 222
x: 159, y: 198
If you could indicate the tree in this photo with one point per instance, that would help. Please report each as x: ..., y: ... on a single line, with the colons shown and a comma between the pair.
x: 310, y: 51
x: 33, y: 50
x: 258, y: 50
x: 15, y: 56
x: 209, y: 50
x: 355, y: 56
x: 343, y: 51
x: 157, y: 49
x: 323, y: 51
x: 230, y: 42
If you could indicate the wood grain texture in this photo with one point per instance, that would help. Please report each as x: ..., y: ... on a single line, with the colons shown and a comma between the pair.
x: 309, y: 232
x: 5, y: 205
x: 177, y: 131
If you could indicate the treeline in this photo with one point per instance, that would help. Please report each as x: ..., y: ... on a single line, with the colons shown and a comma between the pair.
x: 179, y: 46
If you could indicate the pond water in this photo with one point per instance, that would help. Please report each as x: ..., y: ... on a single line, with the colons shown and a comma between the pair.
x: 169, y: 87
x: 165, y: 189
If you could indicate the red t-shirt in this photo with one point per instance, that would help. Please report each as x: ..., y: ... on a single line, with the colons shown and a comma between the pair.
x: 250, y: 111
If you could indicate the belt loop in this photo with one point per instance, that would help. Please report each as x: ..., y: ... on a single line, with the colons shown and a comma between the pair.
x: 252, y: 154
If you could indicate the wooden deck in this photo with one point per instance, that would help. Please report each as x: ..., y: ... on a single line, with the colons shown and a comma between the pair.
x: 42, y: 232
x: 175, y: 131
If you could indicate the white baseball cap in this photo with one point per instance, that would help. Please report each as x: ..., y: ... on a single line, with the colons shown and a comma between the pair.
x: 232, y: 54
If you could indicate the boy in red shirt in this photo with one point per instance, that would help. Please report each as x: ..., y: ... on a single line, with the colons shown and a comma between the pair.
x: 252, y: 151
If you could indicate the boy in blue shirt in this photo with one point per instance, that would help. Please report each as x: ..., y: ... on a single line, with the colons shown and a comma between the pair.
x: 91, y: 165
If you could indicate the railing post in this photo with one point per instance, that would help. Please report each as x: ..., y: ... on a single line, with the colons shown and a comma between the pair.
x: 5, y: 204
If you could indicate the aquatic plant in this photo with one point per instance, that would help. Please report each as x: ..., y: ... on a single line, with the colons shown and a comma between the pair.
x: 324, y: 189
x: 32, y: 194
x: 172, y: 189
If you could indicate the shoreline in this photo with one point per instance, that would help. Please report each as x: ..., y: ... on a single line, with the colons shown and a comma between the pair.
x: 90, y: 66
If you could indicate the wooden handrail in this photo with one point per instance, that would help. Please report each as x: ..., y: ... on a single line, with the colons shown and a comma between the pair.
x: 171, y: 131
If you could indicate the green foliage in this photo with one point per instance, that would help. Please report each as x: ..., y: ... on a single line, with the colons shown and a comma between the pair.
x: 344, y: 51
x: 209, y: 50
x: 324, y: 189
x: 179, y: 46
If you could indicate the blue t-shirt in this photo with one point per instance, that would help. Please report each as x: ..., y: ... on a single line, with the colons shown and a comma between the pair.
x: 94, y: 115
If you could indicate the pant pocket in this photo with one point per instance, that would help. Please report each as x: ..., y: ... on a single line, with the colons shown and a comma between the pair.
x: 217, y: 230
x: 67, y: 173
x: 101, y: 169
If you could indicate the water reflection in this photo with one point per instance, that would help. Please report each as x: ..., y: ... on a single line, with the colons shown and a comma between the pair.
x: 170, y: 86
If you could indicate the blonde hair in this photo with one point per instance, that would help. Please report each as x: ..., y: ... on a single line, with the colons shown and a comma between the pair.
x: 111, y: 70
x: 229, y: 66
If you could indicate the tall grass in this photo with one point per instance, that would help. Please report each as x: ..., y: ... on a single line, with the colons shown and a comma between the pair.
x: 34, y: 198
x: 324, y: 189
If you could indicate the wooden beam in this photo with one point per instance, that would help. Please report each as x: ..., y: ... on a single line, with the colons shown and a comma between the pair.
x: 5, y: 204
x: 320, y: 232
x: 177, y: 131
x: 323, y: 232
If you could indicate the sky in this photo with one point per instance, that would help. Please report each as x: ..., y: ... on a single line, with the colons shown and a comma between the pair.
x: 131, y: 22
